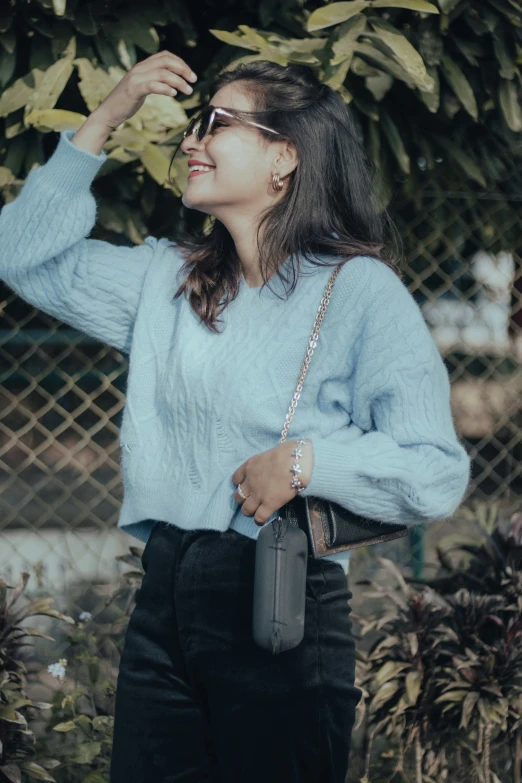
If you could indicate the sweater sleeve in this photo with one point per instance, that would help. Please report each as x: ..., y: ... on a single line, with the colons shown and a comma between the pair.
x: 47, y: 260
x: 408, y: 465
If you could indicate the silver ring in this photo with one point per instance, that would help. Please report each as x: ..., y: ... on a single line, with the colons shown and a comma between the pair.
x: 241, y: 492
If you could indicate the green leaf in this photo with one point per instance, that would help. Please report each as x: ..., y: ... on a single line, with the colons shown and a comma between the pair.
x: 405, y: 53
x: 141, y: 32
x: 8, y: 41
x: 95, y: 777
x: 432, y: 99
x: 394, y: 139
x: 335, y: 13
x: 126, y: 53
x: 413, y: 5
x: 374, y: 146
x: 7, y: 67
x: 467, y: 708
x: 388, y: 670
x: 507, y: 68
x: 510, y: 105
x: 102, y: 722
x: 452, y: 696
x: 68, y: 725
x: 460, y: 85
x: 36, y: 771
x: 379, y: 85
x: 85, y: 753
x: 20, y: 702
x: 447, y: 5
x: 254, y: 37
x: 8, y: 714
x: 343, y: 47
x: 413, y: 686
x: 384, y: 694
x: 466, y: 163
x: 514, y: 16
x: 383, y: 60
x: 362, y: 68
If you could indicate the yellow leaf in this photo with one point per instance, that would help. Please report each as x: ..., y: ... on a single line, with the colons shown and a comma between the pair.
x: 19, y: 94
x: 156, y: 163
x: 54, y: 80
x: 334, y: 13
x: 55, y: 120
x: 96, y: 83
x: 232, y: 39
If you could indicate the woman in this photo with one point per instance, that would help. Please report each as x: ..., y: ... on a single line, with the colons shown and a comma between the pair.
x: 203, y: 467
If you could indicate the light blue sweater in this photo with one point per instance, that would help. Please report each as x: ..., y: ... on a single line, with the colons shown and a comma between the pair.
x: 375, y: 401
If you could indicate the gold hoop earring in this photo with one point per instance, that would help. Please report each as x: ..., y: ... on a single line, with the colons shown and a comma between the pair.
x: 277, y: 184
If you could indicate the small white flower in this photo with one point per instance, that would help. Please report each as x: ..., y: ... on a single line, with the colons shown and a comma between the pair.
x: 58, y: 669
x: 85, y: 616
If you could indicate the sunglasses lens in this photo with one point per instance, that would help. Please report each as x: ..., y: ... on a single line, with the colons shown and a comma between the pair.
x: 199, y: 125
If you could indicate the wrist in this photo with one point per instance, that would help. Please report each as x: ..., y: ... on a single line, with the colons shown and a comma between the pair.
x: 305, y: 462
x: 92, y: 135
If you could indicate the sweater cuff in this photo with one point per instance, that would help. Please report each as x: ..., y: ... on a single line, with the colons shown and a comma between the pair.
x: 71, y: 167
x: 331, y: 459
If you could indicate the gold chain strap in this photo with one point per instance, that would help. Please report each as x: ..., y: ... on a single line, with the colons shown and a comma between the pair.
x: 309, y: 351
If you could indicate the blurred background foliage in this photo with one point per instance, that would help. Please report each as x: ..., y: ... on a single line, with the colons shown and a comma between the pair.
x: 431, y: 84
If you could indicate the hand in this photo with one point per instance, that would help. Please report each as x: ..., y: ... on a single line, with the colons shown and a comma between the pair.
x: 265, y: 478
x: 161, y: 73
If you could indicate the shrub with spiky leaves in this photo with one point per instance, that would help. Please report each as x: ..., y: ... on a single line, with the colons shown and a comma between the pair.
x: 17, y: 741
x: 444, y: 675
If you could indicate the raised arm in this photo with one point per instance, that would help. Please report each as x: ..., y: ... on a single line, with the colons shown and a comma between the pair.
x: 408, y: 467
x: 47, y: 260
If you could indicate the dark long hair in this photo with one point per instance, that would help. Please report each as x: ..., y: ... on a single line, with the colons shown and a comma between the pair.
x: 330, y: 206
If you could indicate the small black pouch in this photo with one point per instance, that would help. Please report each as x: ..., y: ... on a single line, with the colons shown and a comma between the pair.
x: 280, y: 586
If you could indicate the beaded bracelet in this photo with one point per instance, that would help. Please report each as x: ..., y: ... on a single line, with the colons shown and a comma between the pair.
x: 296, y: 468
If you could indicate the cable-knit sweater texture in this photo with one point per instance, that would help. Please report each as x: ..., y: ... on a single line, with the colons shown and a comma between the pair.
x: 375, y: 401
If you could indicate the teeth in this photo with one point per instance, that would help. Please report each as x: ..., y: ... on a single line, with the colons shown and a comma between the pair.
x: 201, y: 168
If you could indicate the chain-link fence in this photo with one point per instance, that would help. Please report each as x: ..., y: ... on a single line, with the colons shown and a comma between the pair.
x: 62, y: 394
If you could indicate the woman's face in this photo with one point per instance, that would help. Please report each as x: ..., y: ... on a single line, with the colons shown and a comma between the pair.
x: 243, y: 161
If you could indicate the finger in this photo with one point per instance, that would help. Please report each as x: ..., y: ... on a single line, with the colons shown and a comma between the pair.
x: 160, y: 88
x: 261, y: 516
x: 164, y: 75
x: 249, y: 507
x: 239, y: 498
x: 173, y: 63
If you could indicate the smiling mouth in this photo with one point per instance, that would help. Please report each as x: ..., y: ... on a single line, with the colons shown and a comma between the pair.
x: 195, y: 173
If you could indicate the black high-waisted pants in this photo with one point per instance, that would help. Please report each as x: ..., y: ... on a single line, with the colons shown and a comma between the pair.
x: 197, y: 701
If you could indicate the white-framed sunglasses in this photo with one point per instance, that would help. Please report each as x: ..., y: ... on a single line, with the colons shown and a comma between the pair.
x: 204, y: 123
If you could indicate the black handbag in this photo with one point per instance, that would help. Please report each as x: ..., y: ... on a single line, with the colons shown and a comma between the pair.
x: 304, y: 525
